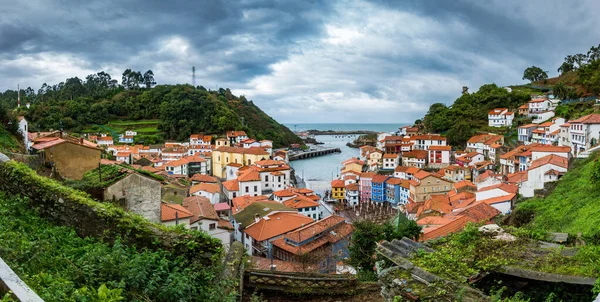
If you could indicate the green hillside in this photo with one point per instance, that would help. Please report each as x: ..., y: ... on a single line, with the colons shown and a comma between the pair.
x: 159, y: 113
x: 572, y: 207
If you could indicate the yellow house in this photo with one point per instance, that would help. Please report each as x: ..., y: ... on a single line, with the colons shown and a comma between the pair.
x: 222, y: 156
x: 375, y: 157
x: 338, y: 188
x: 353, y: 164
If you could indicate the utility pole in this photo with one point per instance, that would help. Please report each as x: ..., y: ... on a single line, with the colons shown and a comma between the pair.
x: 194, y: 76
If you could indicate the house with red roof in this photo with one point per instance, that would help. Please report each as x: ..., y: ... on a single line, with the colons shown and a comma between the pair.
x: 525, y: 133
x: 584, y: 133
x: 210, y: 191
x: 547, y: 133
x: 500, y: 196
x: 439, y: 156
x: 486, y: 144
x: 71, y: 157
x: 105, y: 141
x: 500, y: 117
x: 538, y: 106
x: 424, y: 141
x: 436, y: 227
x: 205, y: 218
x: 543, y: 170
x: 424, y: 184
x: 200, y: 139
x: 352, y: 193
x: 390, y: 161
x: 174, y: 214
x: 266, y: 229
x: 305, y: 206
x: 415, y: 158
x: 325, y: 242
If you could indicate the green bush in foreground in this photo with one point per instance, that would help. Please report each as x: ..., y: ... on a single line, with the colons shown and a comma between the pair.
x: 60, y: 266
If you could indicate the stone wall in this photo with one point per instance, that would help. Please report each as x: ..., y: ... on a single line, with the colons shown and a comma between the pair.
x: 72, y: 160
x: 300, y: 283
x: 69, y: 207
x: 141, y: 194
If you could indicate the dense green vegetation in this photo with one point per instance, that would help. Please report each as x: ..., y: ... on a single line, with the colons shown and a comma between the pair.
x: 534, y: 73
x: 573, y: 205
x: 469, y: 113
x: 462, y: 255
x: 61, y: 266
x: 181, y: 110
x: 364, y: 241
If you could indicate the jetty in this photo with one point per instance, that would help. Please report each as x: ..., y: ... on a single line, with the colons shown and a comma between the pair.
x: 312, y: 153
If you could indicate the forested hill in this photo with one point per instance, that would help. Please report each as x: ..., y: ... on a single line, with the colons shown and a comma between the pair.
x: 469, y: 113
x: 180, y: 109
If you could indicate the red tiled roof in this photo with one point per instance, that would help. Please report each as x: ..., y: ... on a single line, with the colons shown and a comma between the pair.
x: 497, y: 111
x: 418, y: 154
x: 440, y: 148
x: 390, y: 155
x: 550, y: 148
x: 538, y: 100
x: 434, y: 137
x: 421, y: 174
x: 438, y: 203
x: 249, y: 175
x: 338, y: 230
x: 463, y: 184
x: 508, y: 188
x: 206, y: 187
x: 252, y: 150
x: 204, y: 178
x: 200, y: 207
x: 551, y: 159
x: 284, y: 193
x: 412, y: 170
x: 379, y: 178
x: 451, y: 227
x: 168, y: 210
x: 485, y: 175
x: 498, y: 199
x: 352, y: 187
x: 337, y: 183
x: 222, y: 206
x: 276, y: 224
x: 231, y: 185
x: 241, y: 202
x: 175, y: 163
x: 517, y: 177
x: 588, y: 119
x: 479, y: 211
x: 300, y: 201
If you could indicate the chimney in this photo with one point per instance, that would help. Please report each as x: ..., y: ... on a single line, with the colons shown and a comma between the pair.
x: 256, y: 217
x: 81, y: 140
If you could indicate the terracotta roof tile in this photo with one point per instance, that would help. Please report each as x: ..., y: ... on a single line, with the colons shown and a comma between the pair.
x: 204, y: 178
x: 551, y: 159
x: 168, y: 210
x: 276, y: 224
x: 337, y: 183
x: 300, y: 201
x: 206, y: 187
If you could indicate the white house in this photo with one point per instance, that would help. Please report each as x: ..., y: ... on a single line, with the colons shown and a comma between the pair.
x: 499, y: 196
x: 23, y: 129
x: 390, y: 161
x: 210, y: 191
x: 525, y: 133
x: 126, y: 139
x: 200, y: 140
x: 352, y: 193
x: 177, y: 167
x: 105, y: 141
x: 500, y: 117
x: 537, y: 106
x: 174, y: 214
x: 542, y: 170
x: 249, y: 183
x: 125, y: 157
x: 584, y: 133
x: 130, y: 133
x: 205, y: 219
x: 305, y: 206
x: 424, y: 141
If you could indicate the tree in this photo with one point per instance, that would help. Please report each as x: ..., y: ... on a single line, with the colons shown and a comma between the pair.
x: 534, y: 74
x: 149, y: 79
x: 566, y: 67
x: 131, y: 79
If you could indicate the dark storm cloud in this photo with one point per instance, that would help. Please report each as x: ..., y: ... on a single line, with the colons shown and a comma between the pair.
x: 368, y: 61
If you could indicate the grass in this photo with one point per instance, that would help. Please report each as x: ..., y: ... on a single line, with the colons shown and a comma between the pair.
x: 573, y: 205
x: 116, y: 127
x: 9, y: 142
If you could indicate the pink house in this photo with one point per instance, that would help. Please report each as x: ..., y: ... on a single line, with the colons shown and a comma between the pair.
x: 365, y: 186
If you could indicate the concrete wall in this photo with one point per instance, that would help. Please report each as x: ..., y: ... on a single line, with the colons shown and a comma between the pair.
x: 72, y: 160
x: 142, y: 195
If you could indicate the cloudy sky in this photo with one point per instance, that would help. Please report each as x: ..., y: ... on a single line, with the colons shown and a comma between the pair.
x: 300, y: 61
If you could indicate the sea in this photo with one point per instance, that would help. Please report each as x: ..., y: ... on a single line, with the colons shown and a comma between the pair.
x: 318, y: 172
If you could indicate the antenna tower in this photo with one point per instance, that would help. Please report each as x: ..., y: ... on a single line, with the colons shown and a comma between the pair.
x: 194, y: 76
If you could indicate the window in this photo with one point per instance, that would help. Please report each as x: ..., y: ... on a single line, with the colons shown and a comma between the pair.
x: 246, y: 189
x: 249, y: 162
x: 194, y: 228
x: 255, y: 188
x: 266, y: 177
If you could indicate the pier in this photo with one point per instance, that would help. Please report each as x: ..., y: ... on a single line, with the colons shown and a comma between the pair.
x: 313, y: 153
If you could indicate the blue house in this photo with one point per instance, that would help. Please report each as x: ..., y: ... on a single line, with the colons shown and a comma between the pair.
x: 378, y: 188
x: 396, y: 191
x: 125, y: 139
